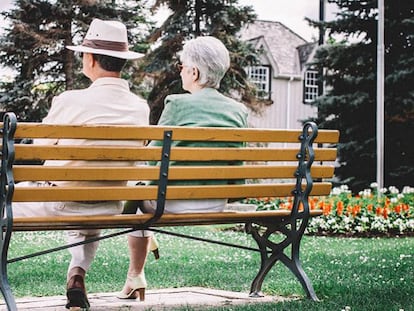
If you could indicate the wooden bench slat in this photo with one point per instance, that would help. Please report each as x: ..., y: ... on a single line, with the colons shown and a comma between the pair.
x: 40, y: 172
x: 35, y: 130
x: 52, y: 194
x: 128, y: 221
x: 30, y: 152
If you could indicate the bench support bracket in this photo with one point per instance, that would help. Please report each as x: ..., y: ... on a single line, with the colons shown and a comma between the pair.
x: 292, y: 227
x: 6, y: 216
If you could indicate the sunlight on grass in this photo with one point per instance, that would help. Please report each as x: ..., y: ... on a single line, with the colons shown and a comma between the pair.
x: 361, y: 273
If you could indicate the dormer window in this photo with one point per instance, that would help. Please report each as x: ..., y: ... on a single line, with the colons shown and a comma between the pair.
x: 260, y: 76
x: 310, y: 87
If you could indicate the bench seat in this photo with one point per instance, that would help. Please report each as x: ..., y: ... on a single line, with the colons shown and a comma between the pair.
x: 166, y: 220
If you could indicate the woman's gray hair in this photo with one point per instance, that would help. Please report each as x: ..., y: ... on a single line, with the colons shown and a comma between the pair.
x: 209, y: 56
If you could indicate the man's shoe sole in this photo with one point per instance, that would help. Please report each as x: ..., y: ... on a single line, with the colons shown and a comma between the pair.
x: 77, y: 300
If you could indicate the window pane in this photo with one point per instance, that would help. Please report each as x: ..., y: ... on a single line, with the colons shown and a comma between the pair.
x: 311, y: 86
x: 260, y: 76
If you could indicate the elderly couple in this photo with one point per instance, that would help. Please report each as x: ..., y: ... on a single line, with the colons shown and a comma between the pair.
x: 108, y: 100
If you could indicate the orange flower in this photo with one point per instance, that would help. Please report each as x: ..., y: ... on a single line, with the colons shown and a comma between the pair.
x: 320, y: 204
x: 379, y: 211
x: 355, y: 210
x: 385, y: 213
x: 405, y: 207
x: 339, y: 208
x: 312, y: 204
x: 398, y: 208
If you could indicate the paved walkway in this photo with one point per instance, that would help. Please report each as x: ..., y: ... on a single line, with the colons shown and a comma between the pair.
x: 155, y: 300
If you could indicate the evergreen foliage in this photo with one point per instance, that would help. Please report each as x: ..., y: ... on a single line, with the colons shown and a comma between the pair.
x: 189, y: 19
x: 349, y: 103
x: 34, y: 44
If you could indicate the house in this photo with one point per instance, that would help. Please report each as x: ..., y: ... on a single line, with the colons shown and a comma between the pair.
x: 282, y: 77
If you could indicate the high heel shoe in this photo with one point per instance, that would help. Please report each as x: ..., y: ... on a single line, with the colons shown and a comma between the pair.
x: 154, y: 247
x: 134, y: 284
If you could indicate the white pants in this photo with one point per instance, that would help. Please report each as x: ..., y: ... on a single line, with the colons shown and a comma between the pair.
x: 181, y: 207
x: 82, y: 255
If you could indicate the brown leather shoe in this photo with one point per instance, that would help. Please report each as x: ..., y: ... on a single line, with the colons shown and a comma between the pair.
x: 76, y: 294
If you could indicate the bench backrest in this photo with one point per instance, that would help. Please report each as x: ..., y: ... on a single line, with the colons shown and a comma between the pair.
x: 276, y: 167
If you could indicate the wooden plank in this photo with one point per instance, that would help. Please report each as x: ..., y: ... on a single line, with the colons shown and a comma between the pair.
x: 144, y: 172
x: 37, y: 130
x: 52, y: 194
x: 128, y: 221
x: 99, y: 153
x: 125, y: 153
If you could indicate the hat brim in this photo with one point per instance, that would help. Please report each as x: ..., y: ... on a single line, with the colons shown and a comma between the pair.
x: 118, y: 54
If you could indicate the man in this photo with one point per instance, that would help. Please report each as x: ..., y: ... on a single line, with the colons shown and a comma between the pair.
x: 107, y: 100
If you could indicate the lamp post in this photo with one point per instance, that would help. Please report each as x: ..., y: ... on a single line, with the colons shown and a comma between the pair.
x: 380, y: 96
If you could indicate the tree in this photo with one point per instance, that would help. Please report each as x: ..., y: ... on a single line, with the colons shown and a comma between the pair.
x: 350, y: 100
x: 191, y: 18
x: 34, y: 46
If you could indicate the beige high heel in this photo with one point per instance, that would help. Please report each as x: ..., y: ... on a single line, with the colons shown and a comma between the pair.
x: 136, y: 284
x: 154, y: 247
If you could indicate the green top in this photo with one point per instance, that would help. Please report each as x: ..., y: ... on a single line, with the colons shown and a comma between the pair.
x: 205, y: 108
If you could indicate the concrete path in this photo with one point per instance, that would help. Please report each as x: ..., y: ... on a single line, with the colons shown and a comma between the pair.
x: 155, y: 300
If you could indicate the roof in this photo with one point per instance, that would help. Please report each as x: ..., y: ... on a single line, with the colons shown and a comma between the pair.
x: 281, y: 42
x: 306, y: 52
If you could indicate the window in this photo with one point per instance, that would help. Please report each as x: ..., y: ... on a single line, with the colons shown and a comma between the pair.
x: 311, y: 88
x: 260, y: 76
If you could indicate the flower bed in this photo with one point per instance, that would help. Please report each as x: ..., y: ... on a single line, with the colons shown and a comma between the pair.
x: 390, y: 213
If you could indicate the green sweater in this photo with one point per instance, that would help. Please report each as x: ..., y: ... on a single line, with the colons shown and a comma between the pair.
x: 205, y: 108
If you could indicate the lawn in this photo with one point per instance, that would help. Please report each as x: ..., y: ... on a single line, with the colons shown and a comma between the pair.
x: 347, y: 273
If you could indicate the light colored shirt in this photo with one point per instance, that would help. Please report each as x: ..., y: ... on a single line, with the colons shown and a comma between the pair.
x: 105, y: 101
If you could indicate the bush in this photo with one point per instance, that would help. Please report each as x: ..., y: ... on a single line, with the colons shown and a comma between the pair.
x: 388, y: 213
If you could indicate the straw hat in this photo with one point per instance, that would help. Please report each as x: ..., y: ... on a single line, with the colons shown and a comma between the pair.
x: 106, y: 38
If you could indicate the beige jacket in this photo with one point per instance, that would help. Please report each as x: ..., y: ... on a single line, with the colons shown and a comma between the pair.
x: 105, y: 101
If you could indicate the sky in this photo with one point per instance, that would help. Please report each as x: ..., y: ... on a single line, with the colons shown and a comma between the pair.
x: 291, y: 13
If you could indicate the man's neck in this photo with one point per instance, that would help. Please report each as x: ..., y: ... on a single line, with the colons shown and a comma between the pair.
x: 105, y: 74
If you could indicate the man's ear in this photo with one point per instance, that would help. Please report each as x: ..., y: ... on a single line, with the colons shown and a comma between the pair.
x: 90, y: 59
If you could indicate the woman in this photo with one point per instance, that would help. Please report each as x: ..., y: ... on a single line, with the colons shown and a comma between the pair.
x: 204, y: 62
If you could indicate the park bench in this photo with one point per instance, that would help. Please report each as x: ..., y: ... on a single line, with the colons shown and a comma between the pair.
x: 276, y: 163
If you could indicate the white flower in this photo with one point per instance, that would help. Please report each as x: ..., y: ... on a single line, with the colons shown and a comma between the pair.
x: 408, y: 189
x: 393, y: 200
x: 393, y: 190
x: 374, y: 185
x: 336, y: 191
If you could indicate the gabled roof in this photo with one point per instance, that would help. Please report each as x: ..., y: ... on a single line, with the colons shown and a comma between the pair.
x: 306, y: 53
x: 282, y: 44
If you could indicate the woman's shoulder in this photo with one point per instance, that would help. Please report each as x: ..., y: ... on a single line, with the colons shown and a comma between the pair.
x: 178, y: 97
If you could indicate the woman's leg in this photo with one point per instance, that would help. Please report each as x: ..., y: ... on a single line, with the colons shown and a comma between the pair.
x: 136, y: 283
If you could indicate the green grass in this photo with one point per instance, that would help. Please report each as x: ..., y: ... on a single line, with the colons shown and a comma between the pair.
x: 356, y: 273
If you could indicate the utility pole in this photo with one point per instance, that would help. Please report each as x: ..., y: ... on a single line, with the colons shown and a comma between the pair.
x: 380, y: 96
x: 321, y: 42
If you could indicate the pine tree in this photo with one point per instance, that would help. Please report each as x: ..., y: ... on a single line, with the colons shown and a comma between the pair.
x: 34, y: 46
x: 350, y: 100
x: 189, y: 19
